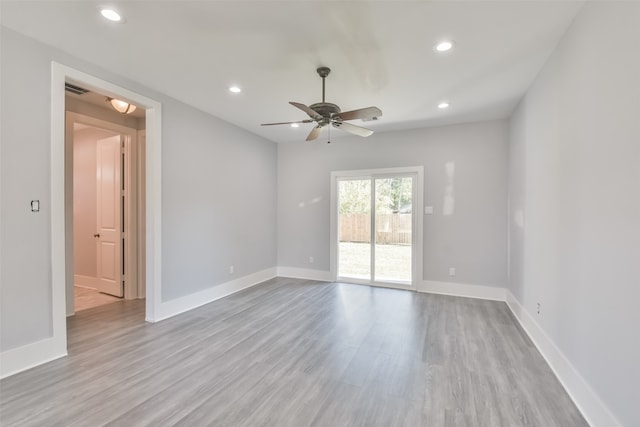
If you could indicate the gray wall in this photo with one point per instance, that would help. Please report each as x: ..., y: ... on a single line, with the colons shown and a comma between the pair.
x: 219, y: 192
x: 575, y: 176
x: 473, y: 239
x: 219, y: 202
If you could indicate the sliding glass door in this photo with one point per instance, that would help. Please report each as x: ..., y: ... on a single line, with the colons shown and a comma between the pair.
x: 374, y: 239
x: 354, y: 230
x: 392, y: 259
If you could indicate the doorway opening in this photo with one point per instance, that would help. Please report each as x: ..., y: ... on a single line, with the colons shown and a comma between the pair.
x: 107, y: 192
x: 376, y: 230
x: 61, y: 217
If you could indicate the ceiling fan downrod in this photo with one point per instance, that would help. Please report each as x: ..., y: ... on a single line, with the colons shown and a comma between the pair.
x: 323, y: 72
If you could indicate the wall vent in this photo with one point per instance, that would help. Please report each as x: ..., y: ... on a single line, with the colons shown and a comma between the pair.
x: 75, y: 89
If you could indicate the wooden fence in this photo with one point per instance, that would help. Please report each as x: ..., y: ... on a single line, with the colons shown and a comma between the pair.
x: 391, y: 229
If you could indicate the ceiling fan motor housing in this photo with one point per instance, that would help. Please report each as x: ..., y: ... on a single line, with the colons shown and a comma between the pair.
x: 325, y: 109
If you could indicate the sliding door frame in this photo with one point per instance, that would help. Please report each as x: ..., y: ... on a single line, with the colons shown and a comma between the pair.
x: 417, y: 220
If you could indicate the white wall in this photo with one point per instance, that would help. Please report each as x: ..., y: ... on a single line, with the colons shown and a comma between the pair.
x: 473, y: 239
x: 219, y: 193
x: 575, y: 179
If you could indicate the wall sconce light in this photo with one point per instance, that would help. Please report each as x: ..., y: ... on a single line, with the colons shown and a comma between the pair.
x: 121, y: 107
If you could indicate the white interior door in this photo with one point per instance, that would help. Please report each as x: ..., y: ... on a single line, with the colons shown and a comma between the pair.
x: 109, y: 215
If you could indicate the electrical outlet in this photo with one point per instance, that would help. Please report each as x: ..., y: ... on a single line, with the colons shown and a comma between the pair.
x: 452, y: 271
x: 231, y: 269
x: 538, y: 308
x: 311, y: 260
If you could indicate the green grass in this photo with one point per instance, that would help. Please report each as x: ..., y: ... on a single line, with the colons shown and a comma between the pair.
x: 393, y: 262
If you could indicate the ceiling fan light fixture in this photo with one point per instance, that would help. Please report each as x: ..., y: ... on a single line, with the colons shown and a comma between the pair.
x: 121, y: 107
x: 444, y: 46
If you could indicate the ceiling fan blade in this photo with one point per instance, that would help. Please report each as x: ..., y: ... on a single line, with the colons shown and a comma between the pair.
x: 356, y: 130
x: 308, y: 110
x: 288, y: 123
x: 363, y: 113
x: 315, y: 132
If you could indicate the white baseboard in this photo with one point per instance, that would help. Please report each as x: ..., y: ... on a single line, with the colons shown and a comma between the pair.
x: 28, y: 356
x: 85, y: 281
x: 462, y: 290
x: 428, y: 286
x: 588, y: 402
x: 305, y: 273
x: 189, y: 302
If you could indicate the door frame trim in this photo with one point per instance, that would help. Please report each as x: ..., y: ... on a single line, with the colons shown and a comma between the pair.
x: 418, y: 218
x: 153, y: 174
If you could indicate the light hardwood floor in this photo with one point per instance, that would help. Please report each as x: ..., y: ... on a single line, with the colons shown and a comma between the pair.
x: 296, y: 353
x: 85, y: 298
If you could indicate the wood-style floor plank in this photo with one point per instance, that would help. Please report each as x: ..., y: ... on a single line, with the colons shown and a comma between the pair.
x: 297, y: 353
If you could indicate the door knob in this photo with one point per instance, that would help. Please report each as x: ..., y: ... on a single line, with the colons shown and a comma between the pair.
x: 96, y: 235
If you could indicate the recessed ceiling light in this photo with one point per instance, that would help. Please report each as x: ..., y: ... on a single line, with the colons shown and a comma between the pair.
x: 235, y: 89
x: 295, y: 125
x: 111, y: 14
x: 443, y: 105
x: 444, y: 46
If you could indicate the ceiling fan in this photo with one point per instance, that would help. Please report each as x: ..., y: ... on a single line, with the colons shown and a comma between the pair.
x: 325, y: 113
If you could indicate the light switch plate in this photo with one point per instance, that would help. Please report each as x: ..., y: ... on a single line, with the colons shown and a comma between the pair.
x: 35, y: 206
x: 428, y: 210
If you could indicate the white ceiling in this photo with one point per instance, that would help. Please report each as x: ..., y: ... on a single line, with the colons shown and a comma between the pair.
x: 381, y: 53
